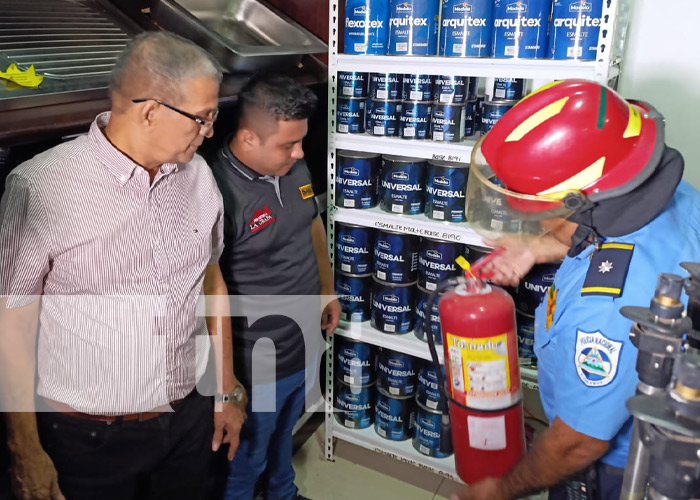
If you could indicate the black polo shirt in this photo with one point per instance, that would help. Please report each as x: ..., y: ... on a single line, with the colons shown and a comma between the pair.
x: 268, y: 251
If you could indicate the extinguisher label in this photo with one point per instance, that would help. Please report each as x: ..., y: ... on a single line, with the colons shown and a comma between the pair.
x: 487, y: 433
x: 480, y: 371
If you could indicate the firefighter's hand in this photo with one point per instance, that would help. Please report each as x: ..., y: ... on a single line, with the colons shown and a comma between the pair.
x: 512, y: 265
x: 486, y: 489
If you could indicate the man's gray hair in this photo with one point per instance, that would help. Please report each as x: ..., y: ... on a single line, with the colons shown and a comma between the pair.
x: 159, y: 62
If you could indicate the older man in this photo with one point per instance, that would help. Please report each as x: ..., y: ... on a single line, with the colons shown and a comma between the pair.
x: 119, y: 232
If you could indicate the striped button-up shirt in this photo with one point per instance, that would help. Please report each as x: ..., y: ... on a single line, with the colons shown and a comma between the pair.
x: 119, y: 262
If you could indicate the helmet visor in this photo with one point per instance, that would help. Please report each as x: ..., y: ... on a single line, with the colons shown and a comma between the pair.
x: 494, y: 211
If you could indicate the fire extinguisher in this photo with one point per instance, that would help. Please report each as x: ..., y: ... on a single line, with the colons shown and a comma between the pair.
x: 482, y: 390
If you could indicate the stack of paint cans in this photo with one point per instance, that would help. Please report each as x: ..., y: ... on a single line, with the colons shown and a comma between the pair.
x: 366, y: 27
x: 429, y: 406
x: 396, y: 387
x: 354, y: 263
x: 357, y: 179
x: 395, y: 274
x: 413, y: 27
x: 385, y: 92
x: 354, y: 389
x: 453, y: 113
x: 531, y: 290
x: 506, y: 92
x: 352, y: 97
x: 402, y: 186
x: 479, y: 28
x: 417, y: 106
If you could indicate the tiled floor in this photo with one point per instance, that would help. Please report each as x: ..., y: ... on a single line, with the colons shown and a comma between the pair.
x: 358, y: 473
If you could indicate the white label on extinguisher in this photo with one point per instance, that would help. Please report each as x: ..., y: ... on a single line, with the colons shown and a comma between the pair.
x: 487, y: 433
x: 456, y: 369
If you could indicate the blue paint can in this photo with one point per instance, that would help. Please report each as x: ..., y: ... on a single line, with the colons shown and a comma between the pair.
x: 392, y: 307
x: 520, y: 28
x: 356, y: 361
x: 354, y: 293
x: 355, y: 405
x: 396, y: 257
x: 466, y: 26
x: 428, y: 393
x: 470, y: 122
x: 417, y: 87
x: 534, y: 286
x: 575, y: 29
x: 353, y: 84
x: 384, y: 118
x: 451, y: 89
x: 366, y: 27
x: 394, y: 416
x: 357, y: 180
x: 428, y: 426
x: 473, y: 253
x: 477, y: 113
x: 445, y: 188
x: 492, y: 111
x: 385, y: 86
x: 368, y: 118
x: 420, y: 328
x: 415, y: 120
x: 402, y: 185
x: 436, y: 262
x: 413, y: 27
x: 350, y: 116
x: 354, y: 248
x: 508, y: 88
x: 447, y: 124
x: 526, y: 335
x: 397, y: 373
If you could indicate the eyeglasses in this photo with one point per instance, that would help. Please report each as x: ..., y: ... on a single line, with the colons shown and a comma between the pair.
x: 202, y: 122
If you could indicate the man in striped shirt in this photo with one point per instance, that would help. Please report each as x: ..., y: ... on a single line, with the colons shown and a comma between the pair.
x: 106, y: 244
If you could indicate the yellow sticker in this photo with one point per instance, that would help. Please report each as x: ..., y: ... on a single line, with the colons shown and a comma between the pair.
x: 27, y: 78
x: 306, y: 191
x: 551, y: 307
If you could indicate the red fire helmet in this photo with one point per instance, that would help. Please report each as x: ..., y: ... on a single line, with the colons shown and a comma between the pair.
x: 565, y: 142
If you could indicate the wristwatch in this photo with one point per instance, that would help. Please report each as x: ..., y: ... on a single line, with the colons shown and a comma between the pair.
x: 233, y: 397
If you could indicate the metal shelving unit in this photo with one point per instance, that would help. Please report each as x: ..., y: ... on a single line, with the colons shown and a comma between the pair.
x: 605, y: 69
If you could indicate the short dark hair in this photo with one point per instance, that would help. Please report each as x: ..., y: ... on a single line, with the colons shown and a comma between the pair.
x: 282, y: 97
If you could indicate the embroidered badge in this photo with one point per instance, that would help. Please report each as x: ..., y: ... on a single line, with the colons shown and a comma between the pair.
x: 608, y: 270
x: 261, y: 218
x: 307, y: 191
x: 596, y: 358
x: 551, y: 306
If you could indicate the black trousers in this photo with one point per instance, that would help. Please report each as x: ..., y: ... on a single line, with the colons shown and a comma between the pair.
x: 602, y: 482
x: 163, y: 458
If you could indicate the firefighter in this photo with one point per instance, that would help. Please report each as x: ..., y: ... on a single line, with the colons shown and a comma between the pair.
x: 576, y: 172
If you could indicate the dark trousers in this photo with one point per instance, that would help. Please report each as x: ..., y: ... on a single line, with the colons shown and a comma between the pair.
x: 602, y: 482
x: 163, y: 458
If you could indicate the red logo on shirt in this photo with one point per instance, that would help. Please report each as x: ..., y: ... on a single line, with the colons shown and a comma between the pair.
x: 261, y: 218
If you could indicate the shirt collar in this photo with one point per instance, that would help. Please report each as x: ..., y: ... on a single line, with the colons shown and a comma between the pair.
x: 117, y: 163
x: 240, y: 167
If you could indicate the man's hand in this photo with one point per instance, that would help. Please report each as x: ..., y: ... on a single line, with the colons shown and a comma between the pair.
x: 34, y: 476
x: 228, y: 420
x: 486, y: 489
x: 513, y: 264
x: 330, y: 317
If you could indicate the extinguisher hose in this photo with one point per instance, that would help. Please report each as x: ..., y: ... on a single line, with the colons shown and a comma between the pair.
x: 446, y: 445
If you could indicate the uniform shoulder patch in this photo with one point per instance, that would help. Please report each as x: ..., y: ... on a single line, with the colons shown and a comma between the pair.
x: 596, y: 358
x: 306, y: 191
x: 608, y: 270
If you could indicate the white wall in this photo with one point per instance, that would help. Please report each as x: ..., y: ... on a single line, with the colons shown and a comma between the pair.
x: 662, y: 66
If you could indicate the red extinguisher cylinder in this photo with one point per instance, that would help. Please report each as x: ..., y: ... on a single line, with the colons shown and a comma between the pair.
x: 483, y: 380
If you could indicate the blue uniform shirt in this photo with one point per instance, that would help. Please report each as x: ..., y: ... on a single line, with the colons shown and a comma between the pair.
x: 586, y: 360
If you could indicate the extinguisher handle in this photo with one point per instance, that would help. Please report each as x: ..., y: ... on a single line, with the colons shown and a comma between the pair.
x: 479, y: 264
